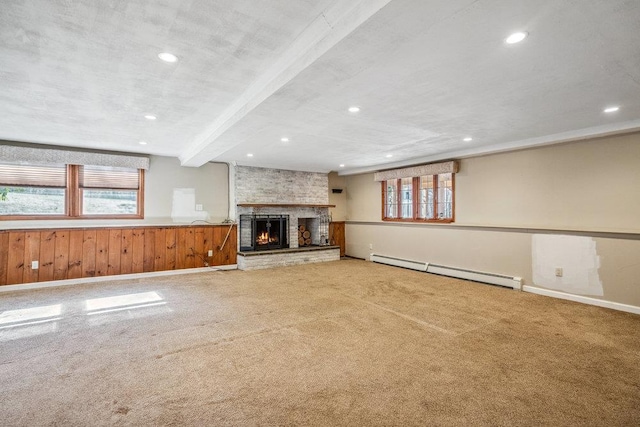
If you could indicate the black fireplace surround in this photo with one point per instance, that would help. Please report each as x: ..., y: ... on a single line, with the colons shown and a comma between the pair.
x: 263, y: 232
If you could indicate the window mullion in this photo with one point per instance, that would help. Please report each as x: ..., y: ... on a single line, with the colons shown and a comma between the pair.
x: 416, y: 193
x: 435, y: 197
x: 73, y: 209
x: 399, y: 198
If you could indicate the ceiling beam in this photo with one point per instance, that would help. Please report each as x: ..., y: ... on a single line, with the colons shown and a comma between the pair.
x: 331, y: 26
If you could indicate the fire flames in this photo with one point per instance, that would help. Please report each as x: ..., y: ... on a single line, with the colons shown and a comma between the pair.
x: 264, y: 239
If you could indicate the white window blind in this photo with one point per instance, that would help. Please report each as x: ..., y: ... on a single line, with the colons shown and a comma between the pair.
x: 45, y: 156
x: 104, y: 177
x: 33, y: 176
x: 430, y: 169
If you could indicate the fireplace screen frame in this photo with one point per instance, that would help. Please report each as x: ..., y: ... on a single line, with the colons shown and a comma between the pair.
x: 249, y: 229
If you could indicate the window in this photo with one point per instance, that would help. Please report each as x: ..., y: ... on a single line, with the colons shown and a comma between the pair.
x: 70, y: 191
x: 108, y: 190
x: 33, y: 190
x: 424, y: 198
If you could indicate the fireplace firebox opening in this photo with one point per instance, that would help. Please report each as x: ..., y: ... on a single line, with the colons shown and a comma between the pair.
x: 263, y: 232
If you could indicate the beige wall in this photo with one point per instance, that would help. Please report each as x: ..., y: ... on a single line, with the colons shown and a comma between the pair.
x: 339, y: 213
x: 210, y: 181
x: 589, y: 186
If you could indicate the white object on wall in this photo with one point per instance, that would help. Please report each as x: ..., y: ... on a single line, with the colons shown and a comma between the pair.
x: 183, y: 206
x: 575, y: 255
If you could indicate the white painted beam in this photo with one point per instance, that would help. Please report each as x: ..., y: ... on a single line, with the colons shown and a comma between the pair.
x: 333, y: 25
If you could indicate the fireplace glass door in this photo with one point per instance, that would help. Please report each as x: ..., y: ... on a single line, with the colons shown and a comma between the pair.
x: 263, y: 232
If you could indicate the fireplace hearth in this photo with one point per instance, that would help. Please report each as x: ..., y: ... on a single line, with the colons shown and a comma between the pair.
x: 263, y: 232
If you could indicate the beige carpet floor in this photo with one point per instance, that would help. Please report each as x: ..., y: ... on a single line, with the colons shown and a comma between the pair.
x: 340, y: 343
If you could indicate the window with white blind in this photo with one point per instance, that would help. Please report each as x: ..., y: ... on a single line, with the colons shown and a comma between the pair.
x: 422, y: 193
x: 421, y: 198
x: 70, y: 191
x: 33, y: 190
x: 108, y: 190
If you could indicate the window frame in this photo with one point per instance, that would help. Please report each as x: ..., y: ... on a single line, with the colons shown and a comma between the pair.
x: 416, y: 203
x: 73, y: 202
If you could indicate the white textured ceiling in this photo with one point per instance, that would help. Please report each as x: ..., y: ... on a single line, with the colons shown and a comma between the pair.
x: 425, y: 73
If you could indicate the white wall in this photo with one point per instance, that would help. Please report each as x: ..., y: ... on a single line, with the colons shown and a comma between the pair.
x: 588, y: 191
x: 339, y: 213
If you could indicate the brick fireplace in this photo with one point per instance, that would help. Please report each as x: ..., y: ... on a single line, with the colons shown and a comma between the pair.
x: 268, y: 195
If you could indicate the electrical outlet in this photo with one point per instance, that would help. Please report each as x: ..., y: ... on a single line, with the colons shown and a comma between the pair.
x: 370, y: 245
x: 210, y: 253
x: 34, y: 265
x: 558, y: 272
x: 198, y: 207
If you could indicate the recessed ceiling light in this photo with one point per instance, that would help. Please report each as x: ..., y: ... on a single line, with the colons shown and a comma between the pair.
x: 249, y: 155
x: 142, y: 143
x: 285, y: 139
x: 167, y: 57
x: 467, y: 139
x: 150, y: 117
x: 611, y: 109
x: 516, y: 37
x: 341, y: 166
x: 388, y: 156
x: 354, y: 109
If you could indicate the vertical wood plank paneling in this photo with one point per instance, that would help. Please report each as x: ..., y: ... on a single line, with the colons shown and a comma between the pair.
x: 228, y: 250
x: 208, y: 244
x: 160, y: 260
x: 89, y: 253
x: 137, y: 249
x: 31, y: 253
x: 47, y: 255
x: 337, y: 235
x: 126, y: 257
x: 190, y: 248
x: 233, y: 245
x: 61, y: 255
x: 15, y: 269
x: 102, y: 252
x: 4, y: 257
x: 115, y: 244
x: 218, y: 236
x: 75, y: 254
x: 181, y: 252
x: 200, y: 255
x: 170, y: 249
x: 72, y: 254
x: 148, y: 264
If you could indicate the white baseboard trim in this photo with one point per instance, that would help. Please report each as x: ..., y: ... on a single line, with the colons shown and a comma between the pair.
x: 585, y: 300
x: 83, y: 280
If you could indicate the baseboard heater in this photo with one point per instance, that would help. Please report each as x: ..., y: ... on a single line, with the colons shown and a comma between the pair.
x: 460, y: 273
x: 399, y: 262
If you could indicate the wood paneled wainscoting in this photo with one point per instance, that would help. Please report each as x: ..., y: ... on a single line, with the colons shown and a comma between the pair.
x: 89, y: 252
x: 337, y: 236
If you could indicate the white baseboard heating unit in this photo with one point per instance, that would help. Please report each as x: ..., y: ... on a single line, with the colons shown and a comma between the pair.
x: 460, y: 273
x: 398, y: 262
